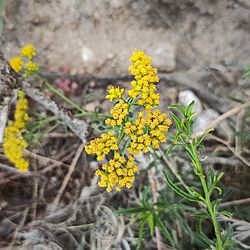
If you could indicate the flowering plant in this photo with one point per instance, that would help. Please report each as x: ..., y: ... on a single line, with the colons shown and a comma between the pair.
x: 137, y: 125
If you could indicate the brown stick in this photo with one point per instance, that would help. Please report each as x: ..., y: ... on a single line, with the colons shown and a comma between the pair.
x: 235, y: 202
x: 67, y: 177
x: 224, y: 116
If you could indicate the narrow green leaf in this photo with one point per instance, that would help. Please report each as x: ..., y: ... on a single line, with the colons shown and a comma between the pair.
x: 219, y: 189
x: 199, y: 196
x: 151, y: 223
x: 145, y: 197
x: 180, y: 191
x: 141, y: 229
x: 164, y: 230
x: 201, y: 214
x: 190, y: 106
x: 176, y: 119
x: 132, y: 210
x: 177, y: 137
x: 177, y: 106
x: 202, y: 235
x: 226, y: 213
x: 170, y: 148
x: 203, y: 136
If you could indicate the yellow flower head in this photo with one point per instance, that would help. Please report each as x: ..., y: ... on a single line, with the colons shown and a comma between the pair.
x: 145, y: 79
x: 102, y: 146
x: 119, y: 113
x: 118, y: 173
x: 114, y: 93
x: 16, y: 63
x: 32, y: 66
x: 14, y: 144
x: 29, y: 51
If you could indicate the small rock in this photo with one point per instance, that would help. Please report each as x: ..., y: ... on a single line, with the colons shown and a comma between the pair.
x: 91, y: 107
x: 202, y: 120
x: 87, y: 54
x: 187, y: 96
x: 164, y: 57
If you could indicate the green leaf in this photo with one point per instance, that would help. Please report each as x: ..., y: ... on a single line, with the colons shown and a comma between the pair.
x: 177, y: 106
x: 132, y: 210
x: 145, y: 197
x: 180, y: 191
x: 170, y: 148
x: 202, y: 137
x: 199, y: 196
x: 226, y: 213
x: 151, y: 223
x: 141, y: 229
x: 201, y: 214
x: 177, y: 136
x: 164, y: 230
x: 177, y: 120
x: 190, y: 107
x: 219, y: 189
x: 202, y: 235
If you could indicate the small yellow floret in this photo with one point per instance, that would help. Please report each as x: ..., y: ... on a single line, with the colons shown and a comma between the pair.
x: 29, y: 51
x: 114, y: 93
x: 16, y: 63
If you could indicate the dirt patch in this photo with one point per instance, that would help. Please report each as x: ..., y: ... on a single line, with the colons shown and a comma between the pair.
x: 100, y: 35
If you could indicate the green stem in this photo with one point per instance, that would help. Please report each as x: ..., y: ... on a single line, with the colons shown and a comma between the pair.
x: 212, y: 212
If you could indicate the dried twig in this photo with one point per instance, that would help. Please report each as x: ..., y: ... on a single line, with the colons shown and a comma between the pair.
x: 152, y: 180
x: 235, y: 202
x: 79, y: 127
x: 25, y: 213
x: 67, y: 177
x: 237, y: 154
x: 44, y: 159
x: 224, y: 116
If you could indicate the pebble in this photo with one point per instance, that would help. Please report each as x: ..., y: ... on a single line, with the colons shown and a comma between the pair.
x: 164, y: 57
x: 187, y: 96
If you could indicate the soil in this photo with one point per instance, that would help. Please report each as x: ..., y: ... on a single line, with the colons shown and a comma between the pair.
x: 100, y: 35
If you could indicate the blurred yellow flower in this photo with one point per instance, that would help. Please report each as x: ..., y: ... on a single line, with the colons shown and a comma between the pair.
x: 14, y: 144
x: 29, y: 51
x: 16, y: 63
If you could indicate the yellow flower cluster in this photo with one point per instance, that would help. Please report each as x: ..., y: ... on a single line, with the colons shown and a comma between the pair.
x: 158, y: 126
x: 114, y: 93
x: 135, y: 134
x: 14, y: 143
x: 27, y: 54
x: 147, y: 132
x: 119, y: 113
x: 145, y: 79
x: 102, y: 146
x: 31, y: 66
x: 118, y: 173
x: 28, y: 51
x: 16, y: 63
